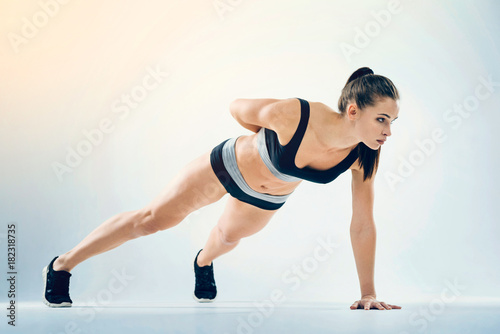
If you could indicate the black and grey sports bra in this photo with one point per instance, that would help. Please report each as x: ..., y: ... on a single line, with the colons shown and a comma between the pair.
x: 281, y: 159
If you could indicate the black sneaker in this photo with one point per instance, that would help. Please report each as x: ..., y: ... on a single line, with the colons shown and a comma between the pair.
x: 204, y: 288
x: 56, y: 286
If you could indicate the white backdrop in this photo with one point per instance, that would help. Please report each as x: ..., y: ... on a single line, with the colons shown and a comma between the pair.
x: 156, y: 79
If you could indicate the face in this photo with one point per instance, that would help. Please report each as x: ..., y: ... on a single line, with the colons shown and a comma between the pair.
x: 373, y: 123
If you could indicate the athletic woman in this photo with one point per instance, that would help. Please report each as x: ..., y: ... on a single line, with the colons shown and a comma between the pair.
x: 294, y: 140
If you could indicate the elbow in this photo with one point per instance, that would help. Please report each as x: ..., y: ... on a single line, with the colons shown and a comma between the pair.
x: 233, y: 107
x: 363, y: 227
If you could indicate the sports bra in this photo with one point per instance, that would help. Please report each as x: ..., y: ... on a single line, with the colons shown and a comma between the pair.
x: 281, y: 159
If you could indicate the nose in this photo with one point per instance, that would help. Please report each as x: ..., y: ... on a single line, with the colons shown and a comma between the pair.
x: 387, y: 131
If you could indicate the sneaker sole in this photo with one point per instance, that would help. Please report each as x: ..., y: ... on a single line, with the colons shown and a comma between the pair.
x: 45, y: 301
x: 202, y: 300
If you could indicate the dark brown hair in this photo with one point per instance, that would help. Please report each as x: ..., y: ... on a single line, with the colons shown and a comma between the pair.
x: 365, y: 89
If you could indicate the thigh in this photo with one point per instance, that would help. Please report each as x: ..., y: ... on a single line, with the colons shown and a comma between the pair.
x: 240, y: 219
x: 195, y: 186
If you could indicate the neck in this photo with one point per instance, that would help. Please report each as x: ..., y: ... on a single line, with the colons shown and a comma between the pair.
x: 340, y: 133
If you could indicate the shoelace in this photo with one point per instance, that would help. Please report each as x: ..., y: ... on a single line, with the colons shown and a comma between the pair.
x: 60, y: 284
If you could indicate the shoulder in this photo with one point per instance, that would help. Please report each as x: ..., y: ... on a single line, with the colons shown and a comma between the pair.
x: 287, y: 114
x: 358, y: 173
x: 320, y: 114
x: 355, y: 166
x: 290, y: 114
x: 291, y: 111
x: 291, y: 107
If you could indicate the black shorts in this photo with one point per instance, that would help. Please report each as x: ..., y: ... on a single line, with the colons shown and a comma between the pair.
x: 223, y: 161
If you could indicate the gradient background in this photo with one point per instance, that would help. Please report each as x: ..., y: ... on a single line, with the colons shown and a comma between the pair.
x: 438, y: 223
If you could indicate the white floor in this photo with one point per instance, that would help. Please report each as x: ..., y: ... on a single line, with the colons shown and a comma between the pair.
x: 222, y: 317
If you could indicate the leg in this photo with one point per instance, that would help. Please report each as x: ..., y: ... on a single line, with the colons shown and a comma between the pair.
x: 193, y: 188
x: 238, y: 220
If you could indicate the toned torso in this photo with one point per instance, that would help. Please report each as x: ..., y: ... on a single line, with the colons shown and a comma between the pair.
x: 311, y: 153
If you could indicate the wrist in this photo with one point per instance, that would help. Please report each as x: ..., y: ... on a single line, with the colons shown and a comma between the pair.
x: 369, y: 295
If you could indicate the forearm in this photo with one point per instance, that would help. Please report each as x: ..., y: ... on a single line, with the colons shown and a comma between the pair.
x: 363, y: 245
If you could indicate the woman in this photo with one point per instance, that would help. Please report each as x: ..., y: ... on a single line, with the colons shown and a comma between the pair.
x: 294, y: 140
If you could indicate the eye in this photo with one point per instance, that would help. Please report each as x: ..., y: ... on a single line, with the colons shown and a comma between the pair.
x: 381, y: 119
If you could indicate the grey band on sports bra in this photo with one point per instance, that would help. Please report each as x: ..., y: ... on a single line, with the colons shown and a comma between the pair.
x: 229, y: 160
x: 264, y: 154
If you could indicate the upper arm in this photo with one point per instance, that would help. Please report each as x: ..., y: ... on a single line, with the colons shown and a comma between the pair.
x: 362, y: 200
x: 265, y: 113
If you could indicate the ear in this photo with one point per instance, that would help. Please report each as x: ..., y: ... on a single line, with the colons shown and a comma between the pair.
x: 353, y: 112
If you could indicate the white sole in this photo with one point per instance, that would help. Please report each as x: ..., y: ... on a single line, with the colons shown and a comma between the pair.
x: 203, y: 300
x: 45, y: 301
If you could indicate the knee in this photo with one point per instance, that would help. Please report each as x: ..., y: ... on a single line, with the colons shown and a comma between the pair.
x: 227, y: 238
x: 145, y: 223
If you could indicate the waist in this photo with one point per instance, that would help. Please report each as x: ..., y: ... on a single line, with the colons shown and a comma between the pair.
x: 255, y: 171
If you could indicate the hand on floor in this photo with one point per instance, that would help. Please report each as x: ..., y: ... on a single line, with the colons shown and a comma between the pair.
x: 372, y: 303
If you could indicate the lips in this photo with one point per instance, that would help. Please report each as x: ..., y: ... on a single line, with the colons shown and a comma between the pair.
x: 381, y: 142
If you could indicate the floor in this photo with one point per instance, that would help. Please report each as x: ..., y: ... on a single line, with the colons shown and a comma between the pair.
x: 246, y: 318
